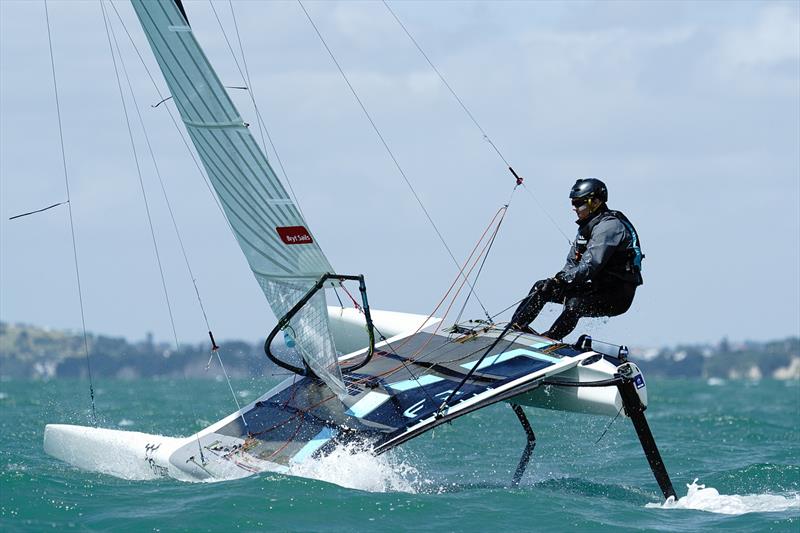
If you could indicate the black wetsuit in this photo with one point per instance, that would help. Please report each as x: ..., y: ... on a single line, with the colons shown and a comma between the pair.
x: 600, y: 276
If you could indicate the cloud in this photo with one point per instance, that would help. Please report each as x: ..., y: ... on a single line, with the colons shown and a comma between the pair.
x: 773, y: 38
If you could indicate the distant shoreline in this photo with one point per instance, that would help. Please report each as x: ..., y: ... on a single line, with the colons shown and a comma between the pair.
x: 31, y: 352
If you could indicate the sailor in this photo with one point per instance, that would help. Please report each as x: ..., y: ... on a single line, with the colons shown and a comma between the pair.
x: 602, y: 271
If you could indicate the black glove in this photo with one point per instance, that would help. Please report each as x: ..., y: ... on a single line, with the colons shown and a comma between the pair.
x: 560, y: 278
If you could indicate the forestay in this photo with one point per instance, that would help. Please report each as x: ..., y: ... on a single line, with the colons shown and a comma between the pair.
x: 273, y: 235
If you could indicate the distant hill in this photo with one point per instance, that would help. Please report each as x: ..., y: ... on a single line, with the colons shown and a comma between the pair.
x: 34, y: 352
x: 38, y: 353
x: 779, y: 359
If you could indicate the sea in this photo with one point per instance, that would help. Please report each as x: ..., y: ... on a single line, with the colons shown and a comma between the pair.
x: 732, y: 449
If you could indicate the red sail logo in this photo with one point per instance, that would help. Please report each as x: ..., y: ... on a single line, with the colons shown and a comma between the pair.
x: 295, y: 235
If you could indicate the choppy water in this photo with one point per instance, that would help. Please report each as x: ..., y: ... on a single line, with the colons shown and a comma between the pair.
x: 741, y: 440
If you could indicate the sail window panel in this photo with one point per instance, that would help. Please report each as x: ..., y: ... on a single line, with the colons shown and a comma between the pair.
x: 318, y: 351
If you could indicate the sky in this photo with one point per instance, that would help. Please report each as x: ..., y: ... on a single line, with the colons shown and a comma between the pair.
x: 690, y: 111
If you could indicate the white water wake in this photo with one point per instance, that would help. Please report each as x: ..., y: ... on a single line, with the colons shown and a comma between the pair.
x: 702, y: 498
x: 354, y: 467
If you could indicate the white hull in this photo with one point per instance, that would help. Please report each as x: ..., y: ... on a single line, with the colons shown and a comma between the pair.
x: 124, y: 454
x: 589, y: 400
x: 135, y: 455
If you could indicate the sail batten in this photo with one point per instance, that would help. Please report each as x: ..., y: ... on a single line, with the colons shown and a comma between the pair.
x: 274, y: 237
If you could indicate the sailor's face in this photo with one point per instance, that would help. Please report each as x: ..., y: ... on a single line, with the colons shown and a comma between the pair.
x: 581, y: 208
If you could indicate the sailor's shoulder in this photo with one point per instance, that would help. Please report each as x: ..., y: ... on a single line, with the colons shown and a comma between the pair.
x: 608, y: 222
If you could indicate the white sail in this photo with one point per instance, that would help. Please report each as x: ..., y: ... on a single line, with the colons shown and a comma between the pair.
x: 273, y: 235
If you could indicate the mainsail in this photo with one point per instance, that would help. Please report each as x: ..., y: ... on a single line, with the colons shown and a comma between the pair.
x: 274, y: 237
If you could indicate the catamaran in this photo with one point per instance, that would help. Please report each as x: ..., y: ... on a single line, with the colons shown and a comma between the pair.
x: 358, y: 375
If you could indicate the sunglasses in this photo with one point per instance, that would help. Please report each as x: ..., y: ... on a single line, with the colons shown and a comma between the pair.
x: 577, y: 202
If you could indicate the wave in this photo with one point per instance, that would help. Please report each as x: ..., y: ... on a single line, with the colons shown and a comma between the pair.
x: 354, y: 466
x: 702, y: 498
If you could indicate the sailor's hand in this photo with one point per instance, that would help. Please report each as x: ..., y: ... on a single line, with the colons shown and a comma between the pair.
x: 559, y: 278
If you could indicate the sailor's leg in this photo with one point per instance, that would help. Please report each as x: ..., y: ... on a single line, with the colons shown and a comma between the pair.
x: 532, y: 305
x: 526, y: 453
x: 609, y: 300
x: 574, y: 309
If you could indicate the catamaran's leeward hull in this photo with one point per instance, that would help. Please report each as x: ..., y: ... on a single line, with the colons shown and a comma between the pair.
x: 393, y: 399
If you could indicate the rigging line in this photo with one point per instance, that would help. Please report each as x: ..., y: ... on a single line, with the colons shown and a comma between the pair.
x: 452, y: 285
x: 336, y: 292
x: 444, y: 81
x: 170, y: 96
x: 415, y: 378
x: 391, y: 371
x: 307, y: 410
x: 215, y: 349
x: 109, y: 33
x: 414, y: 356
x: 472, y: 370
x: 228, y: 380
x: 356, y: 306
x: 246, y: 74
x: 262, y: 127
x: 485, y: 257
x: 71, y: 220
x: 480, y: 269
x: 608, y: 426
x: 174, y: 121
x: 383, y: 141
x: 543, y: 210
x: 496, y: 232
x: 300, y: 422
x: 392, y: 350
x: 482, y: 253
x: 37, y: 210
x: 466, y: 110
x: 418, y: 360
x: 509, y: 307
x: 500, y: 213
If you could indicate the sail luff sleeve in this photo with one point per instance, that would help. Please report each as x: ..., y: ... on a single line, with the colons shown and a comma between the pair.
x: 274, y: 237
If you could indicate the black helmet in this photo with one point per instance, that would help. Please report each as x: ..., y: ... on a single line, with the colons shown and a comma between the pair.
x: 589, y: 188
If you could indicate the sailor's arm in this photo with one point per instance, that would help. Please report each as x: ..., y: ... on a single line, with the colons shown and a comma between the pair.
x: 571, y: 261
x: 606, y: 238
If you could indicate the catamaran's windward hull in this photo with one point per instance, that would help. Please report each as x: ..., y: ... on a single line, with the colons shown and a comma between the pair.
x: 589, y: 400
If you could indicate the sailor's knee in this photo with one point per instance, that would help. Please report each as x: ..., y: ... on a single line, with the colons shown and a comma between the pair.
x: 573, y: 305
x: 621, y: 308
x: 539, y: 285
